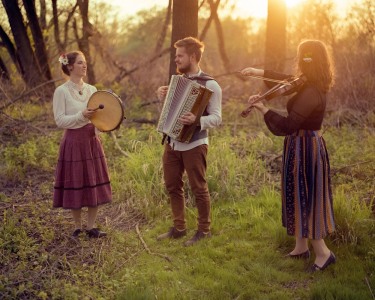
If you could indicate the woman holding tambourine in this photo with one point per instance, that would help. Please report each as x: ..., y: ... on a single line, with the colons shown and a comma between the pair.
x: 81, y: 176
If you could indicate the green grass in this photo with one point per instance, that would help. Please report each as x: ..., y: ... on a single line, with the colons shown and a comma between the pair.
x: 244, y: 259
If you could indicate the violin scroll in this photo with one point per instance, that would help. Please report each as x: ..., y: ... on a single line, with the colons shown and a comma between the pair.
x: 246, y: 112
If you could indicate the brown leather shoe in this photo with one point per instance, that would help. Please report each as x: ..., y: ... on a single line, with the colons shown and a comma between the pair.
x: 173, y: 233
x: 197, y: 236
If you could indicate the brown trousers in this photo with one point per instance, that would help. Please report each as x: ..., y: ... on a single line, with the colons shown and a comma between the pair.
x: 194, y: 162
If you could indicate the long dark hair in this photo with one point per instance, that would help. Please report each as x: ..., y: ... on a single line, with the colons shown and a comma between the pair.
x: 315, y: 62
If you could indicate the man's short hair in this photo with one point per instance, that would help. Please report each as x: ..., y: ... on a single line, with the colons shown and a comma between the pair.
x: 192, y: 46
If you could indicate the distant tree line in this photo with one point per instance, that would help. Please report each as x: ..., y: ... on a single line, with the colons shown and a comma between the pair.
x: 26, y: 41
x: 33, y: 33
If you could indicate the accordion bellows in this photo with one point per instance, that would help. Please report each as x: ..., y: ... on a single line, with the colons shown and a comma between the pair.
x: 183, y: 96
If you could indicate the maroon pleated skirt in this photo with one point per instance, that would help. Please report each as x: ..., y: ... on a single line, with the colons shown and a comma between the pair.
x: 81, y: 177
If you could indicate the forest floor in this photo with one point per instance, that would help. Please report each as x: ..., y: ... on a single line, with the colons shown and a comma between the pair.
x: 244, y: 259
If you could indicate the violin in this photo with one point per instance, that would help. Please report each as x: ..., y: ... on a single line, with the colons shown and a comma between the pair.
x: 280, y: 89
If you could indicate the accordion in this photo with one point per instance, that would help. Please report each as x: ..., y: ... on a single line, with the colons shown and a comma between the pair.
x: 183, y: 96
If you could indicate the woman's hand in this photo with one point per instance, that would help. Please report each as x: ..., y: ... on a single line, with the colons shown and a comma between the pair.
x: 162, y: 92
x: 252, y: 71
x: 258, y: 105
x: 253, y: 98
x: 88, y: 113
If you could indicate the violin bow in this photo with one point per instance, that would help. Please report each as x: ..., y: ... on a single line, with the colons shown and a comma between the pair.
x: 267, y: 79
x: 256, y: 77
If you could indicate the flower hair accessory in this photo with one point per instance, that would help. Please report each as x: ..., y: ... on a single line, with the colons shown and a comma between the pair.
x: 63, y: 59
x: 307, y: 58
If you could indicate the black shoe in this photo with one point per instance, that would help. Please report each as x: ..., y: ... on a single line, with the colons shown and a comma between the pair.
x: 76, y: 232
x: 197, y: 236
x: 303, y: 255
x: 331, y: 260
x: 95, y: 233
x: 173, y: 233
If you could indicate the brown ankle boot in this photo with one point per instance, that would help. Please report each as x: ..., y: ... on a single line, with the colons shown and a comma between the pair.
x: 173, y: 233
x: 197, y: 236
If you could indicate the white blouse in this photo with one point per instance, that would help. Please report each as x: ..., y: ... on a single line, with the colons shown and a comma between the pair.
x: 69, y: 103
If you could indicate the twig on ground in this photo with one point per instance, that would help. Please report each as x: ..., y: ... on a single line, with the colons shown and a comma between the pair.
x: 100, y: 252
x: 13, y: 206
x: 146, y: 247
x: 121, y: 265
x: 352, y: 165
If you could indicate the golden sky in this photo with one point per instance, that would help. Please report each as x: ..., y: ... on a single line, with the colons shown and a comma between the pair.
x: 243, y: 8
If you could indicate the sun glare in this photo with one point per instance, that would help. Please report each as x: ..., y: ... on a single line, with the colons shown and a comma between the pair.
x: 290, y: 3
x: 239, y: 8
x: 245, y: 8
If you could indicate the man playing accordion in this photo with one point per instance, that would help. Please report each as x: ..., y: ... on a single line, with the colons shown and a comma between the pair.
x: 191, y: 157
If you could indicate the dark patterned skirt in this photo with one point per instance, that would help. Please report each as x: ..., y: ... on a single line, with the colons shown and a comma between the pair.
x: 81, y: 177
x: 307, y: 206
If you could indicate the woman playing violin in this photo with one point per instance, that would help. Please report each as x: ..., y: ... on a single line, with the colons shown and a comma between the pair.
x: 307, y: 206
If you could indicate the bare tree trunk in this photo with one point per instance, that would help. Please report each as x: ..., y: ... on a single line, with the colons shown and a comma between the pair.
x: 220, y: 34
x: 11, y: 51
x: 184, y: 24
x: 276, y: 35
x: 83, y: 42
x: 163, y: 34
x: 4, y: 73
x: 56, y: 27
x: 43, y: 13
x: 32, y: 74
x: 213, y: 9
x: 40, y: 47
x: 61, y: 45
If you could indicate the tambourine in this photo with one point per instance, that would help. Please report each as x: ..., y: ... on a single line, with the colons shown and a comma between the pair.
x: 109, y: 110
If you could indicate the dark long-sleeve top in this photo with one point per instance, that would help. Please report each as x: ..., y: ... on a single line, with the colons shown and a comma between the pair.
x: 305, y: 109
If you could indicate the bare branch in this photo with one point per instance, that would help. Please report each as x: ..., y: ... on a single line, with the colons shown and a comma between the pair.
x: 124, y: 72
x: 29, y: 92
x: 114, y: 138
x: 209, y: 20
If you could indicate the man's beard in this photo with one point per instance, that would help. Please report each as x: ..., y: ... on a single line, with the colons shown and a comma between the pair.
x: 184, y: 70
